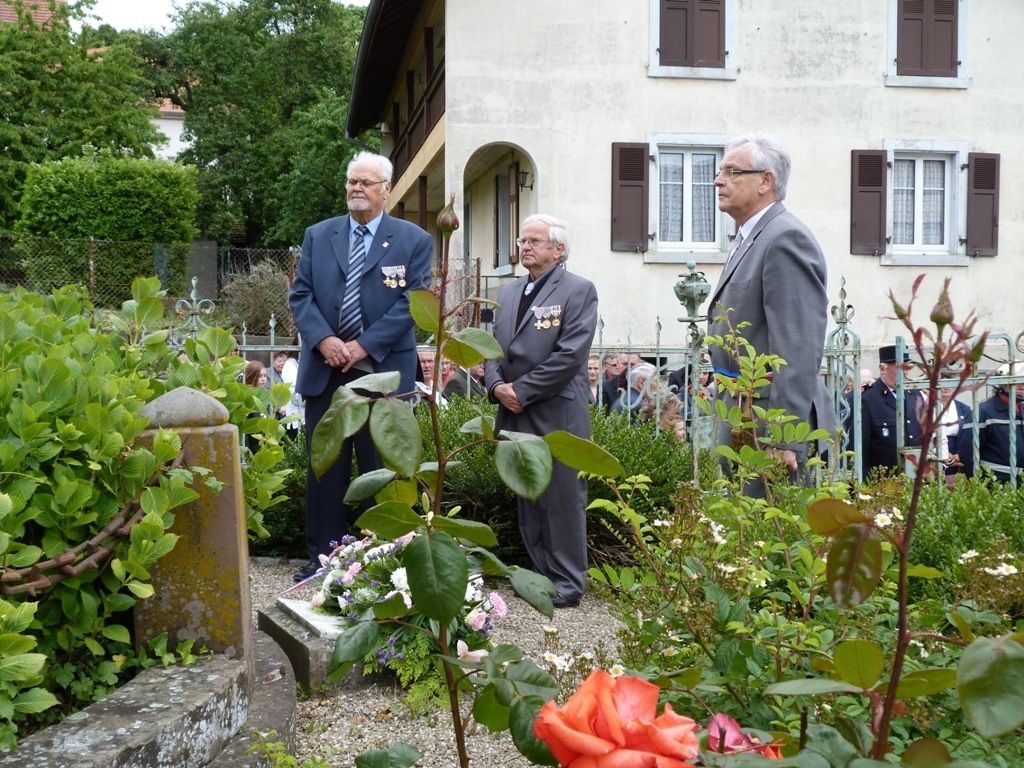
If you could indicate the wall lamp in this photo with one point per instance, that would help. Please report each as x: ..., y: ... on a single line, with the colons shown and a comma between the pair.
x: 524, y: 180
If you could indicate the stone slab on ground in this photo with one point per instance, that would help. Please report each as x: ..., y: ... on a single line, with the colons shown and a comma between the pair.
x: 307, y: 637
x: 173, y: 717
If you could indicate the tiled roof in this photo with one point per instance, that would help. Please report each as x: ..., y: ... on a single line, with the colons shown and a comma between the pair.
x: 40, y: 11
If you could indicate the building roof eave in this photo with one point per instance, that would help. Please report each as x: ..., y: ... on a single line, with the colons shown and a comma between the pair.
x: 384, y: 40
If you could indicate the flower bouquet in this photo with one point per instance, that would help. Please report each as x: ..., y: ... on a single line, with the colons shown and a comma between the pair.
x: 365, y: 577
x: 612, y: 721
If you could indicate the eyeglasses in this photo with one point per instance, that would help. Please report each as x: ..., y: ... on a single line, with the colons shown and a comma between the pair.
x: 363, y: 183
x: 732, y: 173
x: 533, y: 242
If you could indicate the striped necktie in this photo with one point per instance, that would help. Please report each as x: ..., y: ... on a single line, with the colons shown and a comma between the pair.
x: 350, y: 323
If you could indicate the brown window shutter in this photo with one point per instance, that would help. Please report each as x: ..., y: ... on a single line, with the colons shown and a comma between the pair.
x: 940, y: 39
x: 673, y: 33
x: 513, y: 214
x: 630, y: 168
x: 982, y: 204
x: 867, y: 202
x: 708, y: 44
x: 926, y: 36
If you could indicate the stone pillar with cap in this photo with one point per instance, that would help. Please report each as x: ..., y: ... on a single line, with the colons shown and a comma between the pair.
x: 202, y: 585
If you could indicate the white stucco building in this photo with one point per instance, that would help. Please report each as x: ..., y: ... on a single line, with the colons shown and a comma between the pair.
x: 901, y: 117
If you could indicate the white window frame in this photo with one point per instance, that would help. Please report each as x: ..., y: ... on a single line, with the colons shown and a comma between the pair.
x: 729, y: 72
x: 954, y: 252
x: 671, y: 251
x: 961, y: 81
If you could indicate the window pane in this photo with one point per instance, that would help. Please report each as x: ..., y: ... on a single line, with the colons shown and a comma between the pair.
x: 934, y: 200
x: 703, y: 196
x: 671, y: 188
x: 903, y: 202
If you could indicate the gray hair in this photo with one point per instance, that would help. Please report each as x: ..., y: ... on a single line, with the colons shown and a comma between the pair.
x: 384, y: 166
x: 768, y: 153
x: 558, y: 231
x: 644, y: 371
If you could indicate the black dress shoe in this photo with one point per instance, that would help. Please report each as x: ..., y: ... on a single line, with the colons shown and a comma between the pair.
x: 561, y: 601
x: 305, y: 571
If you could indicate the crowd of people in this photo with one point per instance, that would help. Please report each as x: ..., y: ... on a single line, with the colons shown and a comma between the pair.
x: 351, y: 306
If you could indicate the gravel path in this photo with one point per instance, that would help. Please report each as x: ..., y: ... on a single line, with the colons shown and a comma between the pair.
x: 339, y: 723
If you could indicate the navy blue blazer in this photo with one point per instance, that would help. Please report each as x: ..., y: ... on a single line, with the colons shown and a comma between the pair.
x: 388, y: 335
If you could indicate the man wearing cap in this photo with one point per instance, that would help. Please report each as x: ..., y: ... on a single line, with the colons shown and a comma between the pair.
x: 878, y: 417
x: 994, y: 434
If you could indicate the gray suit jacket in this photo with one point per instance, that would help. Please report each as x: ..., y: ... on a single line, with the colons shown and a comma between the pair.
x: 777, y: 283
x: 547, y: 367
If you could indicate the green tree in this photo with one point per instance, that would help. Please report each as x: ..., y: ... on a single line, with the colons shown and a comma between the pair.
x: 59, y: 95
x: 264, y: 88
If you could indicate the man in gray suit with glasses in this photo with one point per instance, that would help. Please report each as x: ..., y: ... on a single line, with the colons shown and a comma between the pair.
x: 775, y: 279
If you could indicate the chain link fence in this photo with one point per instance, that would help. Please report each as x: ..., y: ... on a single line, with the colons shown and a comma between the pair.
x: 105, y: 268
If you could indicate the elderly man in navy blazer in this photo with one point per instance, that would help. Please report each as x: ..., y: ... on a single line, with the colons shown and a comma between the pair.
x: 545, y: 324
x: 774, y: 279
x: 351, y: 306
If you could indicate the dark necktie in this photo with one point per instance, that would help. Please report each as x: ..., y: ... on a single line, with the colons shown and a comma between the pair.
x: 350, y: 323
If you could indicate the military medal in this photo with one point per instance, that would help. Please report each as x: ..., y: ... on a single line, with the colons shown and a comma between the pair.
x: 400, y: 272
x: 389, y: 276
x: 538, y: 313
x: 556, y: 312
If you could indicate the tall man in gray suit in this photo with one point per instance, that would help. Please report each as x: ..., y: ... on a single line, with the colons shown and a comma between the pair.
x: 774, y: 279
x: 545, y: 324
x: 351, y: 306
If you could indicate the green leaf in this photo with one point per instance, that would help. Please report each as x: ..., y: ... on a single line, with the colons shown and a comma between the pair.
x: 396, y: 434
x: 481, y: 425
x: 990, y: 683
x: 391, y: 608
x: 438, y: 573
x: 470, y: 530
x: 425, y: 307
x: 471, y: 346
x: 344, y: 417
x: 925, y: 572
x: 389, y: 520
x: 25, y: 557
x: 403, y: 491
x: 140, y: 589
x: 926, y: 753
x: 351, y: 645
x: 811, y: 686
x: 21, y: 666
x: 829, y: 516
x: 33, y: 701
x: 369, y: 485
x: 118, y: 633
x: 854, y: 564
x: 859, y: 662
x: 534, y: 588
x: 524, y: 465
x: 381, y: 383
x: 521, y: 720
x: 490, y: 712
x: 399, y: 755
x: 584, y: 455
x: 925, y: 682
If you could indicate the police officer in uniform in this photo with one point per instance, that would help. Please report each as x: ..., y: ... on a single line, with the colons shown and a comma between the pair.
x: 878, y: 417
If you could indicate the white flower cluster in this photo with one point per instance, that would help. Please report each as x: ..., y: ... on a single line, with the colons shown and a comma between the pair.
x: 884, y: 519
x: 717, y: 530
x: 970, y: 554
x: 1003, y: 569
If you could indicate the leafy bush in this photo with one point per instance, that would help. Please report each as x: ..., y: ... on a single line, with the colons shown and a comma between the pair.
x: 71, y: 464
x: 251, y: 298
x: 971, y: 517
x: 286, y: 522
x: 130, y: 203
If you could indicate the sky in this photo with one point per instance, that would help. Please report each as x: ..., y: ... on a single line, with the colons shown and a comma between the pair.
x: 146, y: 14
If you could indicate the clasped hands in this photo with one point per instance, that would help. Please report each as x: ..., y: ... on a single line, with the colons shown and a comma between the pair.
x: 341, y: 354
x: 506, y: 395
